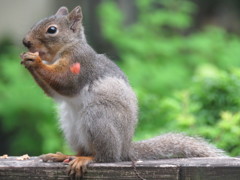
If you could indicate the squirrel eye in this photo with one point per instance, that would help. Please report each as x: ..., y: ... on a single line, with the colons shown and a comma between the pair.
x: 52, y: 30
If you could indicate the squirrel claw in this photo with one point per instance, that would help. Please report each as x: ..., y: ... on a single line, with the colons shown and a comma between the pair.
x: 30, y: 59
x: 78, y: 166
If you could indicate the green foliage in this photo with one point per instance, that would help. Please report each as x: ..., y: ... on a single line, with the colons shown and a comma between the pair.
x: 184, y: 81
x: 216, y: 91
x: 27, y: 117
x: 210, y: 107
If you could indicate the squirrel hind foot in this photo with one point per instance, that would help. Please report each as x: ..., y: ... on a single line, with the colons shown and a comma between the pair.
x: 57, y: 157
x: 78, y: 166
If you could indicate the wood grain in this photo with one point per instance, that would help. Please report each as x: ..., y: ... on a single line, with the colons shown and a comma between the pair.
x: 166, y: 169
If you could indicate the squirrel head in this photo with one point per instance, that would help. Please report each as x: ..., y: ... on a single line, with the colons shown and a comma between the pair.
x: 53, y: 33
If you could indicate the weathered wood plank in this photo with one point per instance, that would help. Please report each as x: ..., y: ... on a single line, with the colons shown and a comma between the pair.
x: 30, y: 169
x: 210, y: 169
x: 34, y: 168
x: 167, y: 169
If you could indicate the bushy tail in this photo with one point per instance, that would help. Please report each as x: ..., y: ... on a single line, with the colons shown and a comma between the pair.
x: 174, y: 145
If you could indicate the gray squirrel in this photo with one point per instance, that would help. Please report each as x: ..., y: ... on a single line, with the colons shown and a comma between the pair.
x: 97, y: 107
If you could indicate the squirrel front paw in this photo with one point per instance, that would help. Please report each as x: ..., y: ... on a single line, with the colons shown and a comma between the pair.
x: 30, y: 59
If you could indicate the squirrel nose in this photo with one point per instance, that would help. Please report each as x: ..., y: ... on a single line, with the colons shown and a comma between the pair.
x: 27, y: 43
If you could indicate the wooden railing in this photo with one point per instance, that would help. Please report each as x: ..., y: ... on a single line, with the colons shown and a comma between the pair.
x: 166, y: 169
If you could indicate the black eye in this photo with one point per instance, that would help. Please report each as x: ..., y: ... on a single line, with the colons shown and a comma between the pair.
x: 52, y: 30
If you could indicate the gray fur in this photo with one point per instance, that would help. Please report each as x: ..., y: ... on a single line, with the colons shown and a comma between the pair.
x: 100, y: 121
x: 174, y: 145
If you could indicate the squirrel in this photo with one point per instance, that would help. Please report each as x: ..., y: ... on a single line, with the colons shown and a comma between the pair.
x: 97, y: 107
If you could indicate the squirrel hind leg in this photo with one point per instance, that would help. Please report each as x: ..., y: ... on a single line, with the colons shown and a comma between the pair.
x: 57, y: 157
x: 78, y: 166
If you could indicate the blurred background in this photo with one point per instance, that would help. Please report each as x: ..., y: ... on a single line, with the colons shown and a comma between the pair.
x: 181, y: 57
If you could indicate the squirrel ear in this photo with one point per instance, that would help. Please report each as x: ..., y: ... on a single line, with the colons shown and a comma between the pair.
x: 75, y: 18
x: 62, y: 11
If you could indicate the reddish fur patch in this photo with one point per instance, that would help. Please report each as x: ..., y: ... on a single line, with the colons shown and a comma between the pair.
x: 75, y: 68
